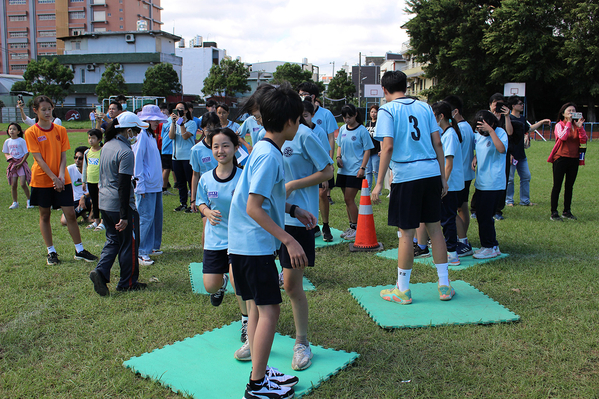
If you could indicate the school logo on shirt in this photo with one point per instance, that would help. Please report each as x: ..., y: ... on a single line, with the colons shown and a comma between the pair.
x: 343, y: 135
x: 42, y: 138
x: 319, y: 121
x: 488, y: 144
x: 288, y: 151
x: 353, y: 138
x: 57, y: 137
x: 206, y: 160
x: 212, y: 194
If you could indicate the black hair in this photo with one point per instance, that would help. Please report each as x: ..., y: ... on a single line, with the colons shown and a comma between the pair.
x: 81, y: 149
x: 112, y: 131
x: 137, y: 111
x: 350, y: 109
x: 278, y: 106
x: 230, y: 134
x: 210, y: 103
x: 19, y: 128
x: 496, y: 97
x: 375, y: 106
x: 189, y: 105
x: 209, y: 118
x: 223, y: 106
x: 560, y: 115
x: 40, y: 99
x: 121, y: 97
x: 455, y: 102
x: 164, y: 105
x: 487, y: 116
x: 308, y: 107
x: 394, y: 81
x: 250, y: 105
x: 187, y: 113
x: 444, y: 108
x: 513, y: 100
x: 171, y: 107
x: 118, y: 105
x: 95, y: 132
x: 309, y: 87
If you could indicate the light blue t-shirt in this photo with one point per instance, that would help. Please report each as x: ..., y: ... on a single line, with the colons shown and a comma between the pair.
x: 167, y: 142
x: 467, y: 149
x: 259, y: 135
x: 264, y: 175
x: 410, y: 123
x: 353, y: 144
x: 182, y: 148
x: 322, y: 138
x: 303, y: 157
x: 201, y: 159
x: 325, y: 119
x: 251, y: 127
x: 490, y: 163
x: 452, y: 147
x: 233, y: 126
x: 217, y: 194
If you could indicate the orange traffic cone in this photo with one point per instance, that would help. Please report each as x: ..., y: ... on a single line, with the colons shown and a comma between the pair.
x: 365, y: 233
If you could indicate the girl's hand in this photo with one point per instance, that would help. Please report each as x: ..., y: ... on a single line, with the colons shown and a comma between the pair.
x: 194, y: 207
x: 58, y: 184
x: 360, y: 173
x: 306, y: 218
x: 174, y: 117
x: 213, y: 216
x: 483, y: 126
x: 289, y: 188
x: 340, y: 162
x: 374, y: 194
x: 579, y: 123
x: 474, y: 162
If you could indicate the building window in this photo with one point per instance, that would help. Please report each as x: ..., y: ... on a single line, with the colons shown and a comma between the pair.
x: 17, y: 18
x: 18, y: 67
x: 82, y: 75
x: 120, y: 10
x: 47, y: 33
x: 99, y: 16
x: 17, y: 34
x: 45, y: 1
x: 48, y: 45
x: 47, y: 17
x: 99, y: 29
x: 77, y: 1
x: 77, y: 45
x: 121, y: 18
x: 40, y: 53
x: 19, y: 45
x: 77, y: 15
x: 109, y: 14
x: 121, y: 27
x: 16, y: 2
x: 19, y: 56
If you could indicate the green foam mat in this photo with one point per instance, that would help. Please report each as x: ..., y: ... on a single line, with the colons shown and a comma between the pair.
x: 203, y: 366
x: 466, y: 261
x: 196, y: 275
x: 336, y: 239
x: 468, y: 306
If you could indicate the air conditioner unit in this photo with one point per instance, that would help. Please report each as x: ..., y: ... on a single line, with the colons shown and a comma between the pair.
x: 130, y: 38
x: 77, y: 32
x: 91, y: 67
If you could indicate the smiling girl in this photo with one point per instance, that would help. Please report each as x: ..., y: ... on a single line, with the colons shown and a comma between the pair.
x: 15, y: 151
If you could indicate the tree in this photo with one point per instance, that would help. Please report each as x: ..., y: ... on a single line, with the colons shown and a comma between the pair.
x: 228, y: 78
x: 111, y: 83
x: 161, y: 80
x: 49, y: 78
x: 292, y: 73
x: 21, y: 85
x: 341, y: 86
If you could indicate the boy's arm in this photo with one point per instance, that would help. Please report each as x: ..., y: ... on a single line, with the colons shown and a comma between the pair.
x: 438, y: 146
x: 385, y: 158
x: 309, y: 181
x: 255, y: 211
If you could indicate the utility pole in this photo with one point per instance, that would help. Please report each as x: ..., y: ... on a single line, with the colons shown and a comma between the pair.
x: 360, y: 80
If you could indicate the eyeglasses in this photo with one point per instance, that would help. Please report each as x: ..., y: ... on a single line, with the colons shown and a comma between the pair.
x: 79, y: 158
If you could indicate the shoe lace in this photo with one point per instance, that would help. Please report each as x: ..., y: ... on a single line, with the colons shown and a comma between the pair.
x: 272, y: 372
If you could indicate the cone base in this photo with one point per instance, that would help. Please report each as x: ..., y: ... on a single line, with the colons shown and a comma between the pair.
x: 355, y: 248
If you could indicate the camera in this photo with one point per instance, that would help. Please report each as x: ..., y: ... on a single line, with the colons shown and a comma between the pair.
x: 499, y: 106
x: 576, y: 116
x: 20, y: 98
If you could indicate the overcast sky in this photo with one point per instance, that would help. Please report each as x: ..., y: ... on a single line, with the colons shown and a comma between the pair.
x: 322, y: 31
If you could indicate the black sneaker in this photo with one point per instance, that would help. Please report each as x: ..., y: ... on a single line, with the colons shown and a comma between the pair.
x: 86, y: 256
x: 464, y: 249
x: 99, y: 283
x: 180, y: 208
x: 52, y: 259
x: 217, y: 298
x: 268, y: 390
x: 317, y: 232
x: 244, y: 330
x: 421, y: 253
x: 498, y: 216
x: 568, y: 215
x: 137, y: 287
x: 189, y: 210
x: 279, y: 378
x: 555, y: 217
x: 331, y: 201
x: 326, y: 234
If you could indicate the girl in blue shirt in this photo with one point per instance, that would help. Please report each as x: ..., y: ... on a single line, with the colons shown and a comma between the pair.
x: 354, y: 143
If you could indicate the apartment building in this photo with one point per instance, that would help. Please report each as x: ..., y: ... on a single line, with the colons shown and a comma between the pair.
x: 29, y: 28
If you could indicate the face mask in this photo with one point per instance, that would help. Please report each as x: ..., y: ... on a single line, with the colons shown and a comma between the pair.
x: 132, y: 140
x: 124, y: 106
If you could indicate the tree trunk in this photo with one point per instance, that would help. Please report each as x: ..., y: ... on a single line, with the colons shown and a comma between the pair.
x: 591, y: 112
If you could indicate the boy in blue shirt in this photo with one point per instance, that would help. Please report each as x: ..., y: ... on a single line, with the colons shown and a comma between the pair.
x: 258, y: 210
x: 411, y: 143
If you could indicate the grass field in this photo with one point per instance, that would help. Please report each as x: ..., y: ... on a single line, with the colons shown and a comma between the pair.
x: 59, y: 339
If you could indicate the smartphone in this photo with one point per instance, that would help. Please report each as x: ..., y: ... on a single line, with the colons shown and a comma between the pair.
x: 98, y: 109
x: 499, y: 106
x: 20, y: 98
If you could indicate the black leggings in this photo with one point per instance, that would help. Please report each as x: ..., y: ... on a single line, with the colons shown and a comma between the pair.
x: 93, y: 193
x: 567, y: 167
x: 183, y: 172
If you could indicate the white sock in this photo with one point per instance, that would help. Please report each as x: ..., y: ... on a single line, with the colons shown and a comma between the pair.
x: 244, y: 318
x: 79, y: 247
x: 443, y: 273
x: 463, y: 240
x: 51, y: 249
x: 403, y: 279
x: 15, y: 202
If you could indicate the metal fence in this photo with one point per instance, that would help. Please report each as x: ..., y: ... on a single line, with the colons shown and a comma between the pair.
x: 592, y: 129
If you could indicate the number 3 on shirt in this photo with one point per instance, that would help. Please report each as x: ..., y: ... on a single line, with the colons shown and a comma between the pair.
x: 416, y: 133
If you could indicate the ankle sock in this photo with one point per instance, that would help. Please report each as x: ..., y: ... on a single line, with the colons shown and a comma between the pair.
x: 403, y: 279
x: 51, y: 249
x: 421, y: 246
x: 443, y: 273
x: 353, y: 226
x: 302, y: 339
x: 244, y: 317
x: 79, y: 247
x: 463, y: 240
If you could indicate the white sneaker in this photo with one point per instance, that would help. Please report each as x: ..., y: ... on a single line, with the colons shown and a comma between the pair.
x: 453, y: 259
x: 268, y: 389
x: 496, y: 248
x: 345, y: 232
x: 145, y: 260
x: 281, y: 280
x: 301, y: 357
x: 281, y: 379
x: 485, y: 253
x: 243, y: 354
x: 351, y: 235
x: 29, y: 206
x: 14, y: 205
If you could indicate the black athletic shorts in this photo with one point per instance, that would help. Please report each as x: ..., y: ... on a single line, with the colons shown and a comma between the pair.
x: 47, y: 197
x: 305, y: 239
x: 346, y: 181
x: 415, y: 202
x: 256, y: 278
x: 215, y: 262
x: 167, y: 161
x: 464, y: 194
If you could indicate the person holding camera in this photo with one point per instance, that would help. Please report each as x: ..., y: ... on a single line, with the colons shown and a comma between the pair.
x: 569, y: 133
x: 182, y: 132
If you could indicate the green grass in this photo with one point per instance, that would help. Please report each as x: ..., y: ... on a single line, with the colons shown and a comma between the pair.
x: 58, y: 339
x: 67, y: 124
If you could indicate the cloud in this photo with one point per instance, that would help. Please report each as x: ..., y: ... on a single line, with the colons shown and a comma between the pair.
x: 270, y: 30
